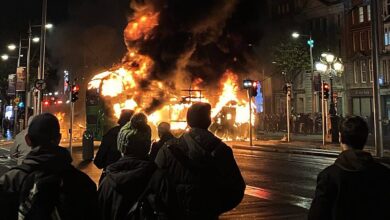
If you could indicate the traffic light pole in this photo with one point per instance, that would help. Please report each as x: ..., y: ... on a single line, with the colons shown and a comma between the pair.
x: 288, y: 97
x: 323, y: 112
x: 71, y: 122
x: 250, y: 117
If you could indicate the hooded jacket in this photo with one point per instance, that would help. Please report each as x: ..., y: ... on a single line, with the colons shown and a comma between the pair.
x: 354, y: 187
x: 78, y: 199
x: 125, y: 180
x: 210, y: 182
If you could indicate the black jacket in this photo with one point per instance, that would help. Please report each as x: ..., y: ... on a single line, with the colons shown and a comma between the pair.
x: 79, y: 198
x: 156, y: 146
x: 354, y: 187
x: 108, y: 151
x: 213, y: 172
x: 125, y: 180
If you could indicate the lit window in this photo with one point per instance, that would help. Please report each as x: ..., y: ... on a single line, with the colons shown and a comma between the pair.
x: 363, y: 71
x: 369, y: 12
x: 361, y: 14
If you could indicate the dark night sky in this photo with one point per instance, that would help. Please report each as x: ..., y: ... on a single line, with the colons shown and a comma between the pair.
x: 88, y: 33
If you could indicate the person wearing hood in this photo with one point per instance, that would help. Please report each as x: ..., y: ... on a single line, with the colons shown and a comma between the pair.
x: 127, y: 178
x: 108, y: 152
x: 20, y: 148
x: 76, y: 197
x: 355, y: 186
x: 164, y: 133
x: 202, y: 168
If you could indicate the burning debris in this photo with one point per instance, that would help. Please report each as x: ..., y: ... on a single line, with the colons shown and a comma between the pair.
x: 150, y: 74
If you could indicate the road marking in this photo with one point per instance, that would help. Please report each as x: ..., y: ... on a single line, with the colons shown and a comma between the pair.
x: 277, y: 196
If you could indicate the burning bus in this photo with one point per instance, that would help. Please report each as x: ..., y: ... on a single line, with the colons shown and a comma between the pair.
x: 138, y: 83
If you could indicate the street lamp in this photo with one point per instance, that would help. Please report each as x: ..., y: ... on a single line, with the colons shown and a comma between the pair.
x: 11, y: 47
x: 49, y: 26
x: 332, y: 66
x: 4, y: 57
x: 35, y: 39
x: 310, y: 43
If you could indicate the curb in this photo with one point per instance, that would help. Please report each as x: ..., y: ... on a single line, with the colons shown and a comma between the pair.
x: 312, y: 152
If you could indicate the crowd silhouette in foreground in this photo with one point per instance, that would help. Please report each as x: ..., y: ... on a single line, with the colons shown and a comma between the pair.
x: 194, y: 176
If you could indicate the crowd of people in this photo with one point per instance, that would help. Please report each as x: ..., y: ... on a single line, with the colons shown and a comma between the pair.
x: 194, y: 176
x: 300, y: 123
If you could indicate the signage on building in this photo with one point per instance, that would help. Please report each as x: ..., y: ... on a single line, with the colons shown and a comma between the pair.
x: 21, y: 79
x: 361, y: 92
x: 11, y: 84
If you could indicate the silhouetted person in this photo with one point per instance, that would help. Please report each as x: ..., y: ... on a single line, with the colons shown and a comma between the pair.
x: 127, y: 178
x: 46, y: 184
x: 164, y: 133
x: 355, y: 186
x: 202, y: 168
x: 108, y: 150
x: 20, y: 148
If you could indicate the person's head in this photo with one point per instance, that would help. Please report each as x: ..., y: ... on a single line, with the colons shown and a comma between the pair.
x: 134, y: 138
x: 198, y: 115
x: 163, y: 129
x: 353, y: 133
x: 44, y: 131
x: 125, y: 116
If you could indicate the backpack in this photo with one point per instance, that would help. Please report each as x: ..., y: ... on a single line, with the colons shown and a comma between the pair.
x: 40, y: 194
x: 162, y: 199
x: 151, y: 204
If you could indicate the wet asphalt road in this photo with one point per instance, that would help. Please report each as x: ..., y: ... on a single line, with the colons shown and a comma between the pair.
x: 279, y: 185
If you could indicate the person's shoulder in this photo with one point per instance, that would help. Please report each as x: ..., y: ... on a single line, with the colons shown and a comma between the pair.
x: 79, y: 178
x: 12, y: 179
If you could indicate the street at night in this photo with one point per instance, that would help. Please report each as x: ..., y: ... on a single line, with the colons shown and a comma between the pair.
x: 195, y: 109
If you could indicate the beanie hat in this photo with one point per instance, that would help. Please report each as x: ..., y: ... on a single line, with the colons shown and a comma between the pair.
x: 198, y: 115
x: 134, y: 138
x: 43, y: 129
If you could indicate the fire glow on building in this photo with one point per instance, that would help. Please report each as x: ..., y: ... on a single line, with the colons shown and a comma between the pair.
x: 129, y: 85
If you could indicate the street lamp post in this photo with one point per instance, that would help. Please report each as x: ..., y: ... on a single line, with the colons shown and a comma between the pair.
x: 331, y: 66
x: 310, y: 43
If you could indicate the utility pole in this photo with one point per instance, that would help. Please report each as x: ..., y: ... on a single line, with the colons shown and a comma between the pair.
x: 41, y: 73
x: 27, y: 83
x: 375, y: 87
x: 323, y: 112
x: 71, y: 117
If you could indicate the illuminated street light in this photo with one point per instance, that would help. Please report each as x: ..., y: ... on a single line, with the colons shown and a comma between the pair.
x: 332, y: 66
x: 49, y: 26
x: 4, y: 57
x: 11, y: 47
x: 321, y: 67
x: 35, y: 39
x: 295, y: 34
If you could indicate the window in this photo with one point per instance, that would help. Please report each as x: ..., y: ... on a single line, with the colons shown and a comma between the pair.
x: 368, y: 12
x: 355, y: 41
x: 387, y: 35
x: 385, y: 79
x: 370, y: 70
x: 369, y: 40
x: 361, y: 14
x: 355, y: 71
x: 363, y: 71
x: 362, y: 41
x: 353, y: 16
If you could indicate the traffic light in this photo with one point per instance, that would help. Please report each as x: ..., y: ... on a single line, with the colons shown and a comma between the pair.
x: 254, y: 88
x: 310, y: 42
x: 326, y: 90
x: 74, y: 93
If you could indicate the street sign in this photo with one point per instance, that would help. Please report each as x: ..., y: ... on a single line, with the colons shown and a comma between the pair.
x: 40, y: 84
